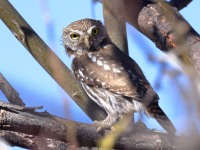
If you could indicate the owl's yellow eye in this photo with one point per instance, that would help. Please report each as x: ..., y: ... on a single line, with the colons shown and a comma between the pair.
x: 95, y: 31
x: 74, y: 36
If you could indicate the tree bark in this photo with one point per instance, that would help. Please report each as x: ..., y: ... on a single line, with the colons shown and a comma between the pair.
x: 165, y: 26
x: 115, y: 24
x: 11, y: 94
x: 171, y: 32
x: 23, y: 126
x: 179, y: 4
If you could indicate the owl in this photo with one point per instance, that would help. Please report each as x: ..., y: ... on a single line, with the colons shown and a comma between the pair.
x: 110, y: 77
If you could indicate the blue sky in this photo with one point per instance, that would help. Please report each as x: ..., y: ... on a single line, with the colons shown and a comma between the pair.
x: 48, y: 18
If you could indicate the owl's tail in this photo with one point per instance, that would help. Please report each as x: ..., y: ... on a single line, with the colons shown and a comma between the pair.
x: 156, y: 112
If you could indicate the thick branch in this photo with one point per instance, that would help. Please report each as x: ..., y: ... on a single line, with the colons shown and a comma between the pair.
x: 36, y: 142
x: 48, y: 60
x: 153, y: 21
x: 168, y: 30
x: 35, y: 125
x: 11, y: 94
x: 115, y: 23
x: 17, y: 139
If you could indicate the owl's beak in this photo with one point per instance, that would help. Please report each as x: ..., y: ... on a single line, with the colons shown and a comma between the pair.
x: 88, y: 41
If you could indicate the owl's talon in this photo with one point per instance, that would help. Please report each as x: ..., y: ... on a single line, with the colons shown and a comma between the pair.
x: 107, y: 123
x: 100, y: 125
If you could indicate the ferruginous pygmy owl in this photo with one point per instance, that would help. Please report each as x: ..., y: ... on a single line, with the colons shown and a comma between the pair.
x: 110, y: 78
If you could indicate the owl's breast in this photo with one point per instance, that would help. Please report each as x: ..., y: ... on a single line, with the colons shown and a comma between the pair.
x: 93, y: 69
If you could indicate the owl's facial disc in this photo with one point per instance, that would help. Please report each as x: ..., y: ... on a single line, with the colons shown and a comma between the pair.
x: 85, y: 40
x: 88, y: 39
x: 80, y: 41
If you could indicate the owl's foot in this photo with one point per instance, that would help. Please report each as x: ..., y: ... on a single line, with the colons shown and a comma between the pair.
x: 107, y: 123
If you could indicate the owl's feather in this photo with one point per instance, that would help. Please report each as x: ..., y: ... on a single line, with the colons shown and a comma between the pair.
x: 112, y: 69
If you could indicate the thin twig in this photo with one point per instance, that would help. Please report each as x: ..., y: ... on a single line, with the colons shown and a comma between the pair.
x: 11, y: 94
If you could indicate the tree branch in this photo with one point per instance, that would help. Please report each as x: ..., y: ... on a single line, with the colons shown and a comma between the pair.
x: 115, y: 23
x: 48, y: 60
x: 11, y: 94
x: 37, y: 142
x: 169, y: 31
x: 160, y: 23
x: 33, y: 127
x: 179, y: 4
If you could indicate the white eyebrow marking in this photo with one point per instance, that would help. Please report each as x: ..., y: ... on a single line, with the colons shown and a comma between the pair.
x: 77, y: 31
x: 99, y: 63
x: 106, y: 67
x: 90, y: 29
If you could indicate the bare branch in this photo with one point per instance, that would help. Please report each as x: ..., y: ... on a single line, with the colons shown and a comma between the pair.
x: 17, y: 139
x: 48, y: 60
x: 115, y: 23
x: 157, y: 26
x: 11, y: 94
x: 37, y: 142
x: 162, y: 29
x: 33, y: 127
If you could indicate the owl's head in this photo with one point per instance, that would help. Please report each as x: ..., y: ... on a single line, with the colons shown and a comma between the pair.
x: 84, y: 36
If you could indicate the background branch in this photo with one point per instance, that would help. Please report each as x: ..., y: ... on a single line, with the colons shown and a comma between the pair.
x: 153, y: 21
x: 160, y: 23
x: 11, y: 94
x: 115, y: 23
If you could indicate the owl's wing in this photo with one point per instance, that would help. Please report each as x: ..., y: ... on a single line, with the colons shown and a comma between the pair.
x: 116, y: 72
